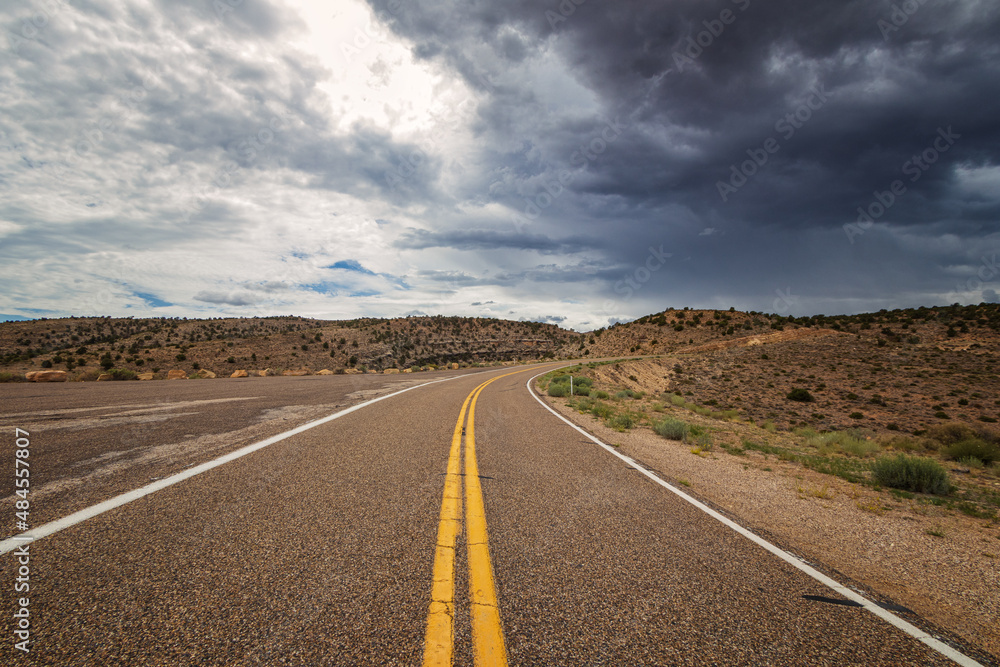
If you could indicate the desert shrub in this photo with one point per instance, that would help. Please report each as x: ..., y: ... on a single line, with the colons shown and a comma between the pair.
x: 852, y: 443
x: 911, y: 473
x: 950, y: 433
x: 902, y: 443
x: 559, y: 389
x: 623, y: 421
x: 11, y: 377
x: 677, y: 400
x: 801, y: 395
x: 971, y: 462
x: 600, y: 393
x: 986, y: 452
x: 670, y: 428
x: 856, y: 415
x: 625, y: 393
x: 581, y: 391
x: 122, y: 374
x: 602, y: 410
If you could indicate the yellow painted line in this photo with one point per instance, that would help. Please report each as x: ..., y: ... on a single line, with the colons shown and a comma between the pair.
x: 487, y: 631
x: 439, y: 640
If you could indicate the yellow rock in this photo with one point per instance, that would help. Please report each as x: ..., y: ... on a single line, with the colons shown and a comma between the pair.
x: 46, y: 376
x: 145, y: 376
x: 325, y: 371
x: 205, y: 374
x: 352, y: 371
x: 103, y: 377
x: 301, y: 371
x: 391, y: 371
x: 239, y: 374
x: 407, y: 370
x: 454, y: 366
x: 176, y: 375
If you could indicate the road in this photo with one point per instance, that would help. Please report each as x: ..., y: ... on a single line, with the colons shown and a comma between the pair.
x: 332, y: 546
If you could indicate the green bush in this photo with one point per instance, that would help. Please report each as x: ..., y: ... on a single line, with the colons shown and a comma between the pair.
x: 801, y: 395
x: 11, y: 377
x: 670, y: 428
x: 122, y: 374
x: 622, y: 421
x: 975, y: 448
x: 602, y: 410
x: 911, y: 473
x: 559, y: 389
x: 600, y: 393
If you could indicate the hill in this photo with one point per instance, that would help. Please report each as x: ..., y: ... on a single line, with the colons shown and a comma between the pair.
x: 86, y: 346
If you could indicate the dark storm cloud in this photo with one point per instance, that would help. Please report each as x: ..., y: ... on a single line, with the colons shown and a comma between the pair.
x: 780, y: 118
x: 485, y: 239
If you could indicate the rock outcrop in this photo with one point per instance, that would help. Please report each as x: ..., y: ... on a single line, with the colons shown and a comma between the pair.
x: 239, y: 374
x: 46, y: 376
x: 204, y: 374
x: 325, y: 371
x: 176, y: 374
x: 301, y: 371
x: 391, y: 371
x: 148, y: 375
x: 103, y: 377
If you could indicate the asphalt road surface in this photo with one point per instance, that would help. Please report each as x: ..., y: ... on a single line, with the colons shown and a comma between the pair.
x: 400, y: 533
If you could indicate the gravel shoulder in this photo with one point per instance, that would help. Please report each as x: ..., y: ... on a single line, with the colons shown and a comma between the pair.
x: 873, y: 539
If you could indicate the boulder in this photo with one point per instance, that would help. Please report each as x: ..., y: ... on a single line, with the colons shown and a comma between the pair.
x: 46, y: 376
x: 176, y: 375
x: 325, y: 371
x: 454, y: 366
x: 352, y: 371
x: 407, y: 370
x: 204, y: 374
x: 267, y: 372
x: 301, y: 371
x: 239, y: 374
x: 373, y: 372
x: 391, y: 371
x: 148, y: 375
x: 103, y: 377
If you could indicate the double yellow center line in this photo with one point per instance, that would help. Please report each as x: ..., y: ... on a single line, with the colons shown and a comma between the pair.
x: 487, y: 633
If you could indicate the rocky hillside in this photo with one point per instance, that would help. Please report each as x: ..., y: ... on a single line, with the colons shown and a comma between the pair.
x: 86, y: 346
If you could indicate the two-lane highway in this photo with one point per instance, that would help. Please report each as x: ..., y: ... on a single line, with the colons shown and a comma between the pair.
x: 326, y: 548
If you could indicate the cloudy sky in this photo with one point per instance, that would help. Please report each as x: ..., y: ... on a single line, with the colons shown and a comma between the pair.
x: 579, y: 162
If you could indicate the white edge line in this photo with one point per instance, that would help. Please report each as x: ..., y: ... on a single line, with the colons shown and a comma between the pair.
x: 47, y: 529
x: 884, y: 614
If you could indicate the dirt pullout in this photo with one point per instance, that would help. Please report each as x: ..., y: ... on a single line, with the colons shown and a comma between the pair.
x: 890, y: 546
